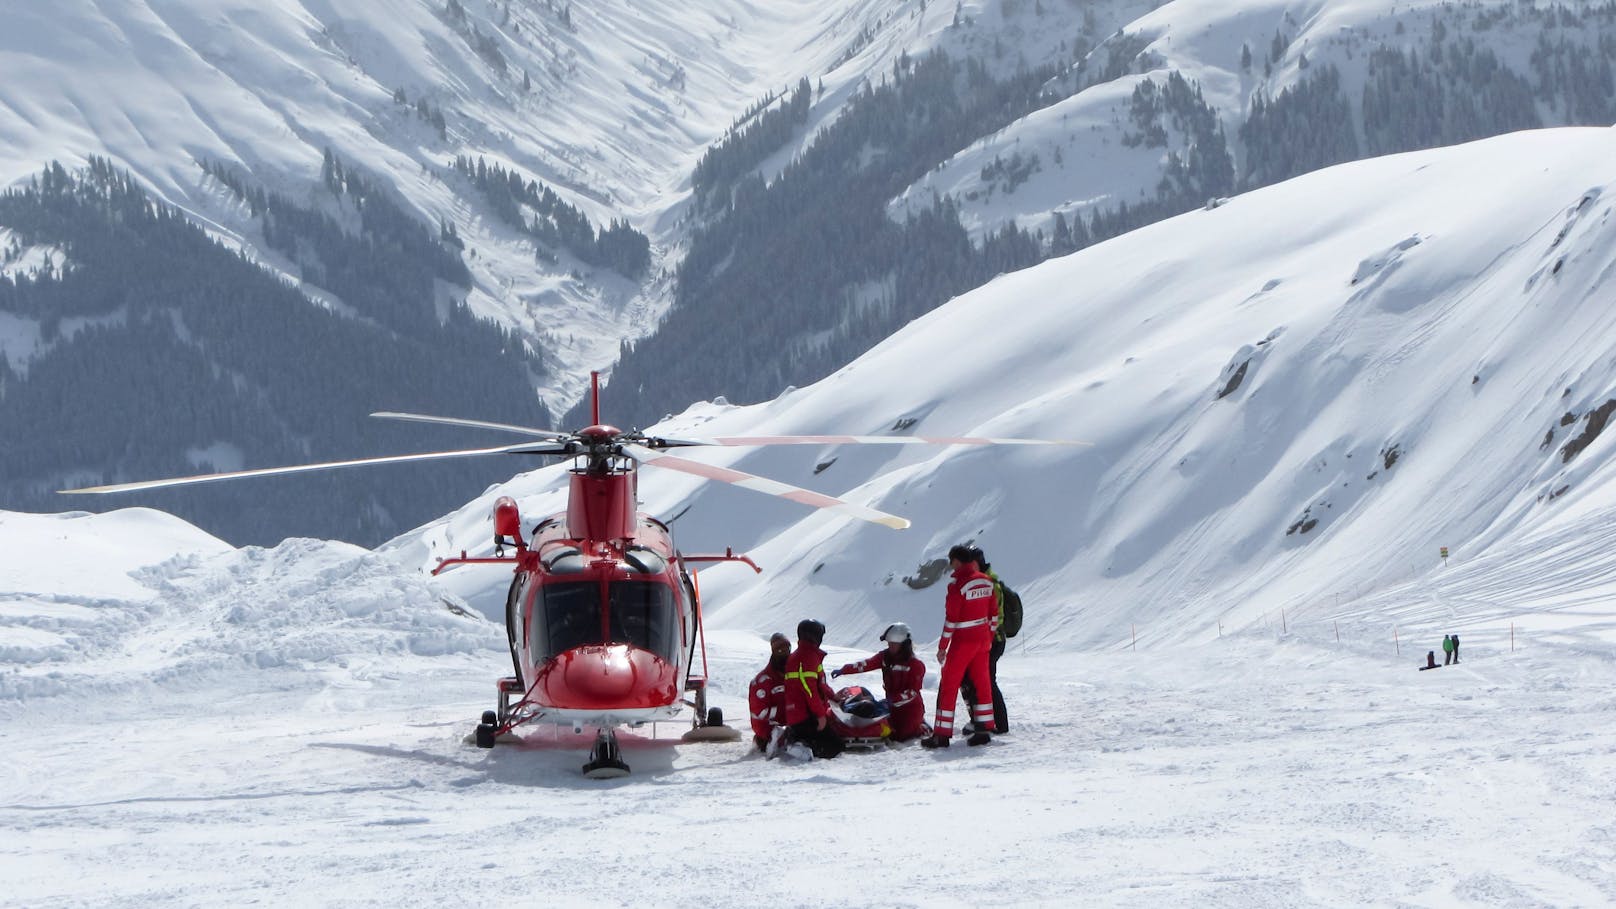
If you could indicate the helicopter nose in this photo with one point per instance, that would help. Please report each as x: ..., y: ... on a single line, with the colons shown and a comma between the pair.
x: 614, y: 676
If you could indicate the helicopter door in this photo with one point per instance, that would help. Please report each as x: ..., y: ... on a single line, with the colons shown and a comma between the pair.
x: 513, y: 618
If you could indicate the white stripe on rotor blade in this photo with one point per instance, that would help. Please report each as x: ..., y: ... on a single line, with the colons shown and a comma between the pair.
x: 765, y: 485
x: 881, y: 440
x: 299, y: 468
x: 475, y: 424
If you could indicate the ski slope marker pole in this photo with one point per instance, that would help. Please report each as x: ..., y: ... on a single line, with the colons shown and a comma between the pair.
x: 1396, y: 643
x: 1337, y: 631
x: 1283, y: 627
x: 1135, y: 631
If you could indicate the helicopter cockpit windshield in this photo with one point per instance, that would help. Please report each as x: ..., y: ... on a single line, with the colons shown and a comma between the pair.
x: 640, y: 613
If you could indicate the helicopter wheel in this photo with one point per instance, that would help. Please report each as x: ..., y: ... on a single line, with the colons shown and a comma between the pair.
x: 715, y: 716
x: 485, y: 735
x: 490, y: 718
x: 605, y: 762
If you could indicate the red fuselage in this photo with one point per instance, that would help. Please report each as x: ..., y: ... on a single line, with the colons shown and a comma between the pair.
x: 601, y: 612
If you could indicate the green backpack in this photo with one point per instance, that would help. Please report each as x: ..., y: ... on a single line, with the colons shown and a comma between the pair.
x: 1011, y: 625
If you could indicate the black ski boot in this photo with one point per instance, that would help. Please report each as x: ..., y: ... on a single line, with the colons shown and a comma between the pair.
x: 979, y: 738
x: 934, y: 741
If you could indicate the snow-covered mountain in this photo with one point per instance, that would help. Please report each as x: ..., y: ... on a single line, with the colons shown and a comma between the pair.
x: 1082, y: 132
x: 509, y: 134
x: 1092, y: 150
x: 608, y: 104
x: 1292, y: 400
x: 611, y: 105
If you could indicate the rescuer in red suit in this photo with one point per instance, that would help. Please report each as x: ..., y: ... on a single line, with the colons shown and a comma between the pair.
x: 808, y: 695
x: 970, y: 614
x: 767, y: 694
x: 902, y: 674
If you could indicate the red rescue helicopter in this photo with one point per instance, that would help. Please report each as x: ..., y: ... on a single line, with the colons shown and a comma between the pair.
x: 602, y: 616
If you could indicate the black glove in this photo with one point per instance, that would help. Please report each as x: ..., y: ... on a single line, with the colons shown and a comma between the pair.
x: 835, y: 673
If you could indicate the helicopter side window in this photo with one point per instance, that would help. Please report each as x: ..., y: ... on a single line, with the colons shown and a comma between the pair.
x: 644, y: 560
x: 571, y: 618
x: 643, y: 614
x: 565, y: 561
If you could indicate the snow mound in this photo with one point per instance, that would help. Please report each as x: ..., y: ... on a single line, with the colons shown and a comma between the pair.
x: 187, y: 609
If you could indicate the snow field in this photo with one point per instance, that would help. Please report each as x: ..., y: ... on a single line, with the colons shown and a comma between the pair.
x: 1242, y: 773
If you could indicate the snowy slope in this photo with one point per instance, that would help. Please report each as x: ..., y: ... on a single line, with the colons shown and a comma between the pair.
x: 1444, y: 306
x: 615, y: 109
x: 1408, y: 332
x: 610, y: 104
x: 1257, y: 770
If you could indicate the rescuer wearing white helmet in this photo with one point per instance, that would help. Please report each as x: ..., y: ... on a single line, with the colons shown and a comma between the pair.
x: 902, y: 674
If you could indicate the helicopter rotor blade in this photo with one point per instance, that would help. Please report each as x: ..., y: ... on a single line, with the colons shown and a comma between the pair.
x: 859, y: 440
x: 475, y: 424
x: 762, y: 484
x: 524, y: 448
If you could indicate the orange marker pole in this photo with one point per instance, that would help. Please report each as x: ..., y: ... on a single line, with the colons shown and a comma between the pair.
x: 701, y: 625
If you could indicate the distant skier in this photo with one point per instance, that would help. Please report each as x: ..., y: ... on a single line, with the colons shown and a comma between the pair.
x: 1456, y: 648
x: 766, y: 696
x: 970, y: 617
x: 1449, y: 649
x: 902, y: 675
x: 808, y: 695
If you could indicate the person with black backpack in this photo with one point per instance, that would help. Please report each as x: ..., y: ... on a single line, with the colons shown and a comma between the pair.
x: 970, y: 610
x: 1007, y: 626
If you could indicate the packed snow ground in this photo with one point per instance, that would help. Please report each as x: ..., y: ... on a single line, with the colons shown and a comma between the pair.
x: 285, y: 727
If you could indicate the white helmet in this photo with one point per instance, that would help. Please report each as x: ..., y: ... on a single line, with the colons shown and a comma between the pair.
x: 897, y: 633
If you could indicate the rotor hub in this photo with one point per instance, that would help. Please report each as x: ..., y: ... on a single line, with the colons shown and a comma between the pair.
x: 599, y: 434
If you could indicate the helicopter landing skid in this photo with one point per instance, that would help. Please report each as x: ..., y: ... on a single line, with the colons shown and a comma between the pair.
x: 605, y: 763
x: 712, y: 734
x: 708, y: 726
